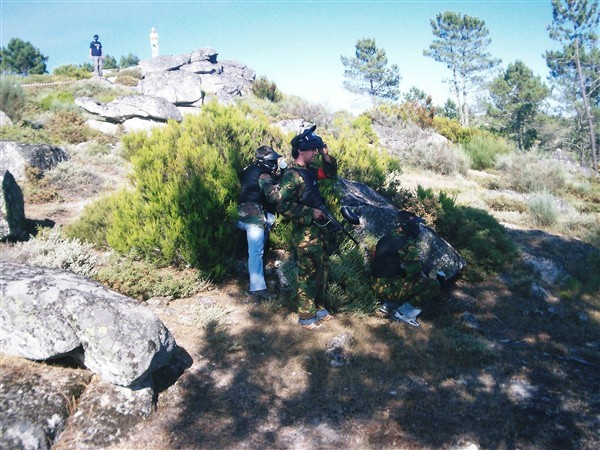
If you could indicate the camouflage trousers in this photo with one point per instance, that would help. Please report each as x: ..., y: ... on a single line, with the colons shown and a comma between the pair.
x: 400, y: 289
x: 312, y: 264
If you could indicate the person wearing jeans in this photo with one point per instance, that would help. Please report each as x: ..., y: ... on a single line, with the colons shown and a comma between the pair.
x: 259, y: 194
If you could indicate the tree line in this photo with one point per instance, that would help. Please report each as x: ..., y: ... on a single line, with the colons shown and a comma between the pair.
x: 514, y: 95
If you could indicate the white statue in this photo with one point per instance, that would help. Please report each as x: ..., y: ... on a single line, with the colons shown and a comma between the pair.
x: 154, y: 42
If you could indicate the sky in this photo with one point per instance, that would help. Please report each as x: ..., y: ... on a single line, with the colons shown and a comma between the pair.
x: 296, y: 44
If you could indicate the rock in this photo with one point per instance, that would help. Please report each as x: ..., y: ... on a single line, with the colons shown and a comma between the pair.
x: 103, y: 127
x: 238, y: 69
x: 50, y: 313
x: 4, y: 119
x: 13, y: 225
x: 16, y: 157
x: 203, y: 54
x: 202, y: 67
x: 177, y: 87
x: 35, y: 401
x: 376, y: 217
x: 128, y: 107
x: 162, y: 63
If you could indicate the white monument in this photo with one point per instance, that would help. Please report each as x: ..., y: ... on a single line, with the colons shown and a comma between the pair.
x: 154, y: 42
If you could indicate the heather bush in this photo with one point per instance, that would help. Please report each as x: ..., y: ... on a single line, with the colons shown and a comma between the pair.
x: 439, y: 157
x: 452, y: 130
x: 77, y: 72
x: 94, y: 222
x: 58, y: 100
x: 49, y: 248
x: 68, y: 126
x: 12, y: 97
x: 543, y: 208
x: 483, y: 150
x: 530, y: 172
x: 263, y: 88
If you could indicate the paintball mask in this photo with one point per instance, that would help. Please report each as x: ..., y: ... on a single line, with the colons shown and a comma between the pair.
x: 267, y: 158
x: 308, y: 140
x: 409, y: 222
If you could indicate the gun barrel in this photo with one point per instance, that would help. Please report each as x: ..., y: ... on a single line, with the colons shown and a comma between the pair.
x: 337, y: 225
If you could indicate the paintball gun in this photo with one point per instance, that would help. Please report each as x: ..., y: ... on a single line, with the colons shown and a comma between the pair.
x: 336, y: 226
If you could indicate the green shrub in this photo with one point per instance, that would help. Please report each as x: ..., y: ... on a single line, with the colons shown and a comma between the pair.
x: 24, y: 134
x: 56, y: 101
x: 72, y: 71
x: 142, y: 280
x: 94, y: 222
x: 483, y: 149
x: 543, y: 208
x: 263, y: 88
x: 12, y: 97
x: 186, y: 182
x: 479, y: 238
x: 452, y: 130
x: 439, y: 158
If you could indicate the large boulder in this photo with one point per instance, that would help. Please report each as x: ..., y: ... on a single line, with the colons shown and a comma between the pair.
x: 377, y: 214
x: 13, y: 225
x: 16, y: 157
x: 177, y: 87
x: 4, y: 119
x: 163, y: 62
x: 49, y: 313
x: 128, y: 107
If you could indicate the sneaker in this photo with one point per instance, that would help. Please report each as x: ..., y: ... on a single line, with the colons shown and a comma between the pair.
x: 407, y: 313
x: 323, y: 315
x: 388, y: 308
x: 311, y: 323
x: 263, y: 294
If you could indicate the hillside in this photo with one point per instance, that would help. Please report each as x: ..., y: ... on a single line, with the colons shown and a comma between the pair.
x: 508, y: 362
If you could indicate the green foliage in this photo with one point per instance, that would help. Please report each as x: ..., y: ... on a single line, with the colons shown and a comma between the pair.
x: 80, y: 72
x: 516, y: 96
x: 22, y: 58
x: 263, y: 88
x: 24, y: 134
x: 543, y: 208
x: 484, y: 149
x: 57, y: 100
x: 94, y: 222
x: 110, y: 62
x: 186, y: 185
x: 143, y: 280
x: 461, y: 45
x: 128, y: 61
x: 367, y: 72
x: 12, y: 97
x: 452, y: 130
x: 479, y: 238
x: 416, y: 110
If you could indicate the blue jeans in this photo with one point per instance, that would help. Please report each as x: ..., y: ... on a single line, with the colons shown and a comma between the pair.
x: 256, y: 237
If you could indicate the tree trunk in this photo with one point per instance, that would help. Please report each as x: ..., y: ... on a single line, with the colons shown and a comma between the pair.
x: 586, y: 108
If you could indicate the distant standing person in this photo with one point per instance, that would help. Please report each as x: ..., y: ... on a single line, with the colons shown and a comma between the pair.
x: 154, y: 42
x: 96, y: 56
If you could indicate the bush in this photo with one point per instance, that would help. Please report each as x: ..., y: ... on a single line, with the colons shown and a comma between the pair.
x: 439, y: 158
x: 68, y: 126
x: 452, y: 130
x: 483, y: 149
x: 56, y: 101
x: 72, y: 71
x: 543, y: 208
x: 12, y: 97
x: 263, y: 88
x: 51, y: 249
x: 479, y: 238
x: 94, y: 222
x: 530, y: 172
x: 142, y: 280
x: 182, y: 208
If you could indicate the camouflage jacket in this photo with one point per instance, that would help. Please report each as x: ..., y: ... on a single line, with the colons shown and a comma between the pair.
x: 252, y: 212
x: 291, y: 187
x: 396, y: 254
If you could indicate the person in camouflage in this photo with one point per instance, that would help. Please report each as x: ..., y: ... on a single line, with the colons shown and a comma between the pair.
x: 299, y: 202
x: 396, y: 271
x: 256, y: 207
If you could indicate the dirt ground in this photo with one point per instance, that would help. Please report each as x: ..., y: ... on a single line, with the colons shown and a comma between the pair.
x: 488, y: 368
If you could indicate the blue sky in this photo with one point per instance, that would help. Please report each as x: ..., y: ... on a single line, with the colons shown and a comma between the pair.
x: 296, y: 44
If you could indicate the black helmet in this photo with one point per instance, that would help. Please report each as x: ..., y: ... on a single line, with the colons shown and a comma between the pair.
x: 308, y: 140
x: 267, y: 157
x: 409, y: 222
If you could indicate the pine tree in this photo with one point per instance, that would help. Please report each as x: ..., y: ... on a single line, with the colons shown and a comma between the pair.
x: 22, y: 58
x: 461, y: 45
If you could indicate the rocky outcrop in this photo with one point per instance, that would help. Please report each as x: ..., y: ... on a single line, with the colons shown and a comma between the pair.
x: 50, y: 313
x: 42, y: 157
x: 376, y: 216
x: 128, y: 107
x: 13, y: 225
x: 177, y: 87
x: 4, y: 119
